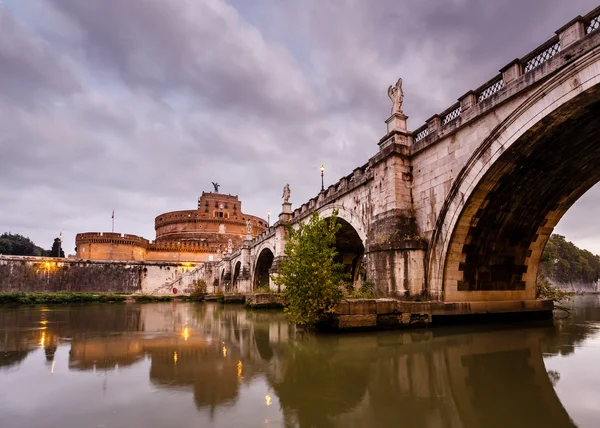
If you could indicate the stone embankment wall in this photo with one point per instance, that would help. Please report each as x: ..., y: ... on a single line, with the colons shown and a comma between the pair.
x: 578, y: 287
x: 40, y: 274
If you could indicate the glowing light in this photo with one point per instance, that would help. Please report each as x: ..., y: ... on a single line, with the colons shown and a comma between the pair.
x: 42, y: 340
x: 47, y: 265
x: 268, y: 400
x: 52, y: 367
x: 240, y: 366
x: 224, y: 352
x: 186, y: 334
x: 44, y: 322
x: 175, y: 358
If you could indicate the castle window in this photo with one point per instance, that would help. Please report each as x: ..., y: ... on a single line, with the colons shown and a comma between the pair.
x: 206, y: 203
x: 225, y: 204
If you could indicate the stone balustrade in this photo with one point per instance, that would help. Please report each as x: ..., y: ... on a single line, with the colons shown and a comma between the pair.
x: 498, y: 88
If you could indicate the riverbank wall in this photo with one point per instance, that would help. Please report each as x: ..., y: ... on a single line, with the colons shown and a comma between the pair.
x: 46, y: 274
x: 577, y: 287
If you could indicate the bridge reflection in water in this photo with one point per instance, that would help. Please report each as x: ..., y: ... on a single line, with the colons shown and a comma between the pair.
x: 446, y: 377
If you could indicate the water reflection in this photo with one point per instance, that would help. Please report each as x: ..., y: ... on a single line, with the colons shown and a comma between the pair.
x: 253, y: 364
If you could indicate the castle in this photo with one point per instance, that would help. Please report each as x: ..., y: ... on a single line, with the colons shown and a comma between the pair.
x: 217, y: 227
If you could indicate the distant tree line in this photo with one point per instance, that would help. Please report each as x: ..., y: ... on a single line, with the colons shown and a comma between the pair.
x: 563, y: 262
x: 19, y: 245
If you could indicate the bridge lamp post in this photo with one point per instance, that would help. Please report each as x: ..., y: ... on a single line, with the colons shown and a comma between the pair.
x: 268, y: 218
x: 322, y: 171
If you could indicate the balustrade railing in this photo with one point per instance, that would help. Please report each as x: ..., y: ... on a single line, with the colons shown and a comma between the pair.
x: 528, y: 63
x: 593, y: 25
x: 491, y: 90
x: 542, y: 57
x: 452, y: 115
x: 421, y: 133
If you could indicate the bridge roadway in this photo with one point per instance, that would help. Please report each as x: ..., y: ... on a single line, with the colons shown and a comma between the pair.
x: 460, y: 209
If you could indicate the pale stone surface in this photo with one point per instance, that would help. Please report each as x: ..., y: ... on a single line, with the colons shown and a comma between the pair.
x: 413, y: 204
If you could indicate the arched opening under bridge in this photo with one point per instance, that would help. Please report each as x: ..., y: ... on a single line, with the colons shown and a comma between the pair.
x: 351, y: 251
x: 263, y: 265
x: 236, y: 275
x: 502, y: 229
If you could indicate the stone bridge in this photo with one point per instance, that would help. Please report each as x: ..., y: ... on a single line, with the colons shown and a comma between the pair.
x: 460, y: 209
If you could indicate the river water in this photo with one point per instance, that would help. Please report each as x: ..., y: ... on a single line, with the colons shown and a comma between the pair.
x: 207, y: 365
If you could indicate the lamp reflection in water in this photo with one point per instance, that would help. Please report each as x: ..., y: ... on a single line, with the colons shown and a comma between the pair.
x: 186, y: 334
x: 268, y: 400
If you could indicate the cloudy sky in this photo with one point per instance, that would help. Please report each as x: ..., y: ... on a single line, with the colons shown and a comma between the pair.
x: 137, y: 105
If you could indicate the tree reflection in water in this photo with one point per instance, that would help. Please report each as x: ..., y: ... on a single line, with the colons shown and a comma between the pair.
x: 445, y: 377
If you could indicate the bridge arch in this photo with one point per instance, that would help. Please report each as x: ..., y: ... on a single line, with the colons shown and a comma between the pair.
x: 264, y: 261
x: 236, y: 274
x: 350, y: 241
x: 517, y: 185
x: 348, y: 216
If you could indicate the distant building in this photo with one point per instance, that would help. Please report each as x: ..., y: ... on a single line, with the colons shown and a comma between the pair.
x: 196, y: 235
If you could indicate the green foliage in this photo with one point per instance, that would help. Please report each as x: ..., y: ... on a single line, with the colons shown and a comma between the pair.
x: 58, y: 297
x: 366, y: 291
x: 263, y: 289
x: 312, y: 279
x: 56, y: 247
x: 199, y: 290
x: 147, y: 298
x: 545, y: 290
x: 564, y: 262
x: 19, y: 245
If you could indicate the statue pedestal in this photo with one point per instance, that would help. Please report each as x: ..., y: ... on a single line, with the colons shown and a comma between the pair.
x: 286, y: 208
x: 396, y: 122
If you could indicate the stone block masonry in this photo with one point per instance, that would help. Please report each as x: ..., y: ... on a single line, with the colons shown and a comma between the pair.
x: 390, y: 313
x: 40, y: 274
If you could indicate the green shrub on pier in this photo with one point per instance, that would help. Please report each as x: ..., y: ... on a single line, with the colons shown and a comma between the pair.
x: 199, y: 292
x: 312, y: 279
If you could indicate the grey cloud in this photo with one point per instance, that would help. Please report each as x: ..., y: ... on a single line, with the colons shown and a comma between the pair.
x: 30, y: 69
x: 138, y: 105
x: 200, y: 46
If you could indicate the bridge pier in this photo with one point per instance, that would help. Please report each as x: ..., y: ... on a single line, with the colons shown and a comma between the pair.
x: 396, y: 255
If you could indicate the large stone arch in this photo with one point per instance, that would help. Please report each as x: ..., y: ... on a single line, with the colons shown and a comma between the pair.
x: 347, y: 215
x: 262, y: 267
x: 350, y: 241
x: 514, y: 189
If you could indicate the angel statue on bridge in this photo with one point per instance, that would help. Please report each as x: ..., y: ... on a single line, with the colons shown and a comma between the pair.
x: 286, y: 193
x: 397, y: 96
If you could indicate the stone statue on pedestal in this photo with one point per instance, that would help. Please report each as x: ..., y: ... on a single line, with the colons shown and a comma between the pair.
x: 230, y: 246
x: 286, y: 193
x: 397, y: 96
x: 248, y: 227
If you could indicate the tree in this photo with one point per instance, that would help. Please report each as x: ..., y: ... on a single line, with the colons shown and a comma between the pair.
x: 312, y: 279
x: 18, y: 245
x: 56, y: 245
x: 564, y: 262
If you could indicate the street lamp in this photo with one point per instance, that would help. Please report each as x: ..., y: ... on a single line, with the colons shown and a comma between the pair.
x: 268, y: 218
x: 322, y: 171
